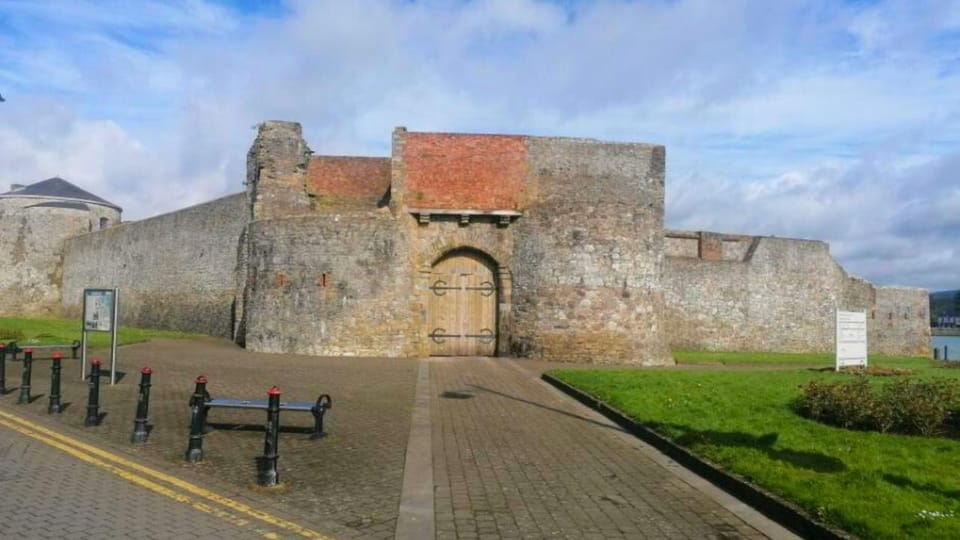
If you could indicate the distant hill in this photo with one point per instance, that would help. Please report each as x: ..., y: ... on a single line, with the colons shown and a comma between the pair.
x: 944, y: 302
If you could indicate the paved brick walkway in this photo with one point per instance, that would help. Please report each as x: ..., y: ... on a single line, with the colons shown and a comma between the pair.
x: 347, y: 485
x: 515, y: 459
x: 511, y: 457
x: 46, y: 493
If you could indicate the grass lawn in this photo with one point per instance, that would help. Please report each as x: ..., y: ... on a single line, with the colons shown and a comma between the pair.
x: 46, y: 331
x: 871, y: 484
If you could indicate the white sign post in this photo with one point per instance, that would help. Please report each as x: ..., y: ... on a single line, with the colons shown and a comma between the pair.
x: 851, y: 339
x: 99, y: 315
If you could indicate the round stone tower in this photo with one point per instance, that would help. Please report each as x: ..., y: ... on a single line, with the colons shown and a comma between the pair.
x: 35, y: 220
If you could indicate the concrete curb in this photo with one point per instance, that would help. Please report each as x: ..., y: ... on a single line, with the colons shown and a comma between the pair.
x: 416, y: 515
x: 783, y: 512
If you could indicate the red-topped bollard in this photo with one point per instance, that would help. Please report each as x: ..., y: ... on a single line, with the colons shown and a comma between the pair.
x: 198, y: 410
x: 55, y: 367
x: 3, y: 369
x: 140, y: 432
x: 25, y: 376
x: 93, y: 402
x: 267, y: 464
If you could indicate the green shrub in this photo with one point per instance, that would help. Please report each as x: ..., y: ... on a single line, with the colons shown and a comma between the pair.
x: 903, y: 406
x: 846, y: 404
x: 921, y: 407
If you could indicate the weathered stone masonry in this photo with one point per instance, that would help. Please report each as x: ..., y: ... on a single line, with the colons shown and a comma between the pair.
x: 510, y: 245
x: 735, y: 292
x: 34, y: 224
x: 174, y: 271
x: 555, y: 217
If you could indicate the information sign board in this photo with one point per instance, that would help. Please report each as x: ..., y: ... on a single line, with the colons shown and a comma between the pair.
x: 100, y: 314
x: 98, y: 308
x: 851, y: 339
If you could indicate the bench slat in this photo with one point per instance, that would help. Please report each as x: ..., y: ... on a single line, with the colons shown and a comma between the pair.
x: 229, y: 403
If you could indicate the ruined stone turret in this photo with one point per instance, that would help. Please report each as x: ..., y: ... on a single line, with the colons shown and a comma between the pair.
x: 277, y: 171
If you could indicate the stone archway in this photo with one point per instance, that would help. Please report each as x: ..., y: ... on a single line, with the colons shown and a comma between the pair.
x: 463, y: 304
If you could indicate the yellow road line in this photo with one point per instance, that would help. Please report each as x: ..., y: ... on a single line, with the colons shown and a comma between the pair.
x: 65, y: 443
x: 133, y: 478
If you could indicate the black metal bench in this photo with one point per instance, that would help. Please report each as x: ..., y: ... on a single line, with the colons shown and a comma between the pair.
x: 318, y: 409
x: 13, y: 349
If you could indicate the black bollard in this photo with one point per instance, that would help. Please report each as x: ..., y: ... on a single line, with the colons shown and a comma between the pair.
x: 93, y: 403
x: 267, y: 464
x: 198, y: 409
x: 54, y: 406
x: 25, y: 377
x: 936, y: 353
x: 143, y: 407
x: 3, y: 369
x: 945, y: 355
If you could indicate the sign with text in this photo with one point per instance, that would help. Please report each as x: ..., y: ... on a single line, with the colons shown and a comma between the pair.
x: 100, y: 314
x: 98, y: 306
x: 851, y: 338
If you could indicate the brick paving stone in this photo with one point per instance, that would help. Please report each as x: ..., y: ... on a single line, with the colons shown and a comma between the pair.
x: 351, y: 479
x: 45, y: 493
x: 515, y: 459
x: 515, y: 447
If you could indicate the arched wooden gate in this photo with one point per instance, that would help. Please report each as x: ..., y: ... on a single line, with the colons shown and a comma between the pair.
x: 462, y: 307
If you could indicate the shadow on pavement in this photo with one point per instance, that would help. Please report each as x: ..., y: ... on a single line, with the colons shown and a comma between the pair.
x: 542, y: 406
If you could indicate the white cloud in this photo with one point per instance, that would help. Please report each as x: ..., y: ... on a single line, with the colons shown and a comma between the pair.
x: 888, y: 223
x: 795, y: 118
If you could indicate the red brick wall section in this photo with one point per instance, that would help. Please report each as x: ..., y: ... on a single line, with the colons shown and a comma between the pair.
x: 344, y: 178
x: 465, y: 172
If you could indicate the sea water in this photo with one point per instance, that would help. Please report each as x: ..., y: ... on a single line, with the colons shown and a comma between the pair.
x: 951, y: 342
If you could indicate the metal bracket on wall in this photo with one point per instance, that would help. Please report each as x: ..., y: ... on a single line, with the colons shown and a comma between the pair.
x: 438, y: 334
x: 440, y: 287
x: 485, y: 335
x: 486, y: 288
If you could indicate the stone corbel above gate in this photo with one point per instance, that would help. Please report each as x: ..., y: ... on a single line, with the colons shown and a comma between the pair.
x: 503, y: 217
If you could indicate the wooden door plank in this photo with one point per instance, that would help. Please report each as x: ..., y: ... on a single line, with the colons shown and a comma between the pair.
x: 464, y: 310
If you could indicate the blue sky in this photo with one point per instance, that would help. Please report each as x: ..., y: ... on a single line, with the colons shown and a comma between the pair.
x: 803, y: 118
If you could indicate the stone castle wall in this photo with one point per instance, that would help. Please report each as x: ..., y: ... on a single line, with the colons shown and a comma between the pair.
x: 353, y: 278
x: 174, y: 271
x: 588, y: 253
x: 334, y: 255
x: 899, y: 322
x: 569, y: 291
x: 31, y: 243
x: 743, y: 293
x: 327, y: 286
x: 444, y: 234
x: 321, y: 253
